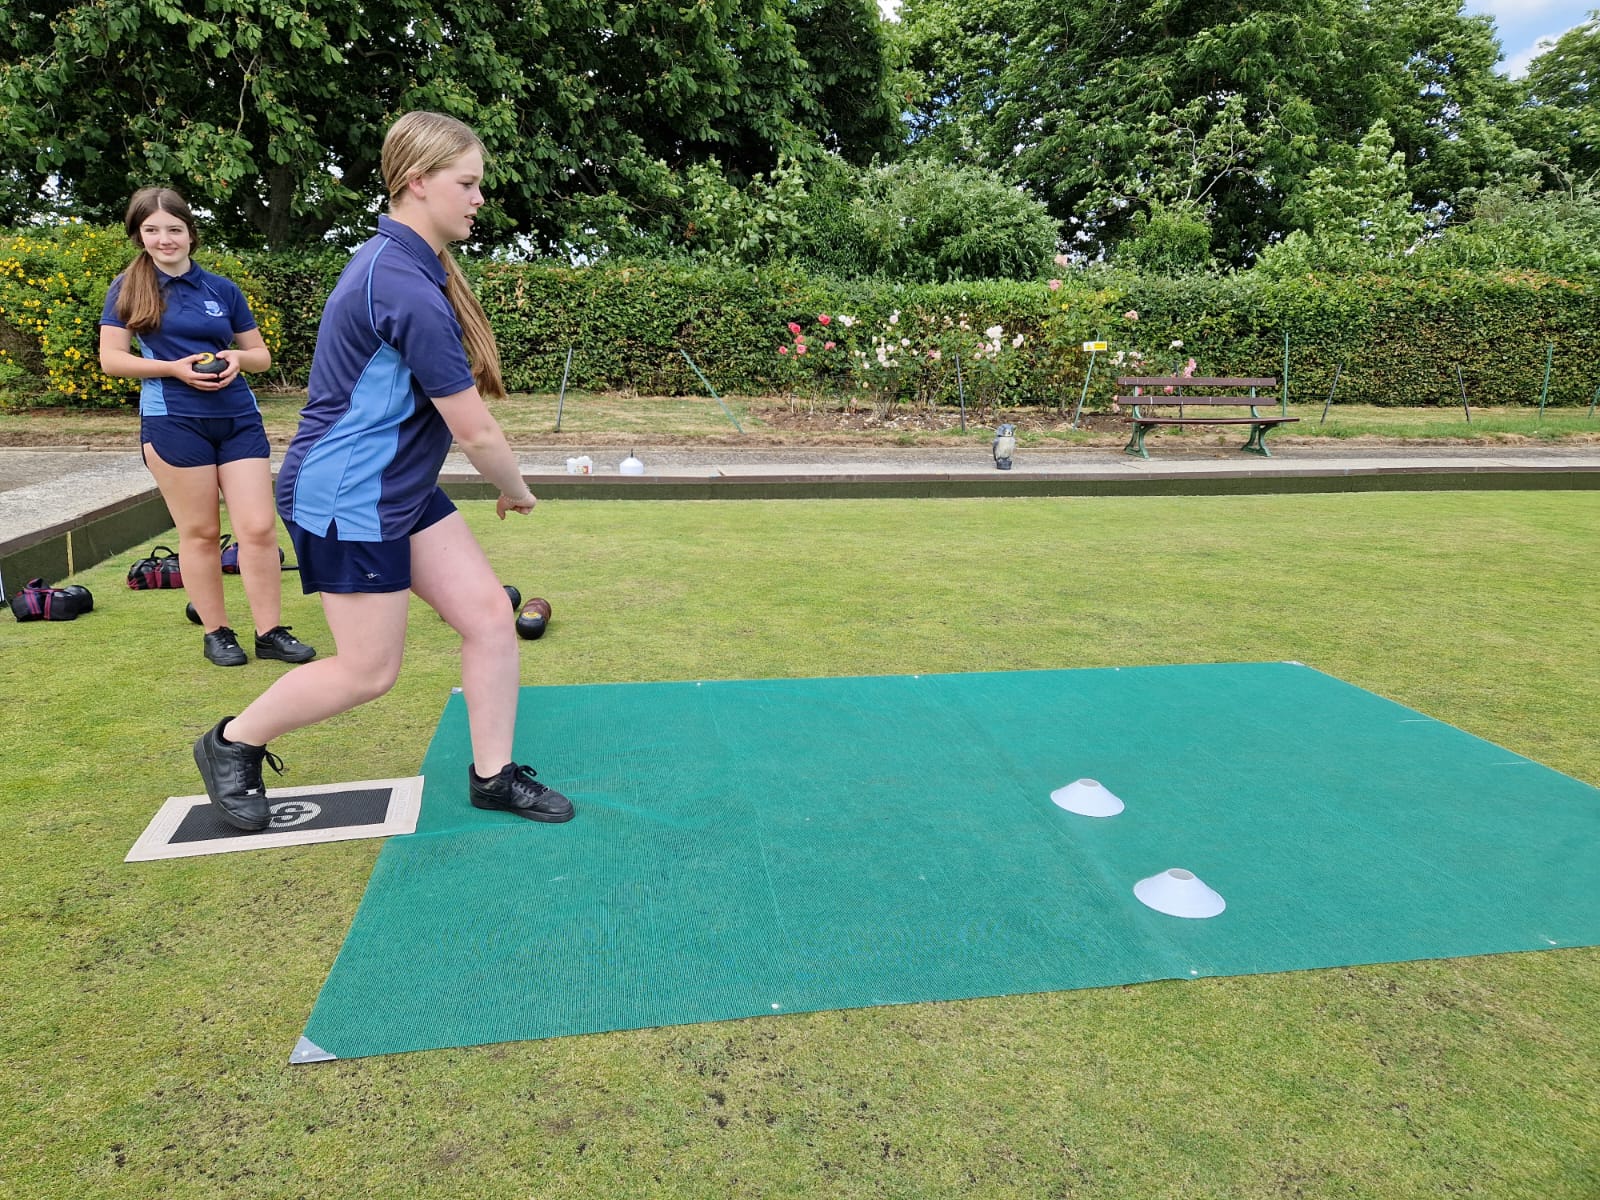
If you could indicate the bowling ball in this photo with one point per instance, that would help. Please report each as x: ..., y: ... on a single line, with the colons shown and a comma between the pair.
x: 516, y: 596
x: 209, y: 364
x: 533, y: 618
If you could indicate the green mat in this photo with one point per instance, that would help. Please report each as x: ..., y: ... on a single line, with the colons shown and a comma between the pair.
x: 758, y: 847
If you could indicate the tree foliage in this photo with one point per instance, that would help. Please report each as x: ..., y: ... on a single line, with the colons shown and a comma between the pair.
x: 1354, y: 212
x: 271, y: 114
x: 1561, y: 112
x: 1108, y: 107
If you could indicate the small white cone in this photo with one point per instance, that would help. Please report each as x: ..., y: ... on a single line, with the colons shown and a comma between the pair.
x: 631, y: 466
x: 1087, y: 798
x: 1178, y: 893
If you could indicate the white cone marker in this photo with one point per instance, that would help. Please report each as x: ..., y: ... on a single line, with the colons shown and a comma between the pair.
x: 1087, y: 798
x: 1178, y: 893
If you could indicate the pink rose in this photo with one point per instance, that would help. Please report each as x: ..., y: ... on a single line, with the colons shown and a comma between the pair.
x: 823, y: 319
x: 783, y: 349
x: 793, y: 328
x: 827, y: 345
x: 1130, y: 315
x: 1055, y: 285
x: 800, y: 349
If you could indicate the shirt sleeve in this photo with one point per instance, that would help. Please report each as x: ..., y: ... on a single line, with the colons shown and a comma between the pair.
x: 108, y: 312
x: 414, y: 316
x: 239, y: 309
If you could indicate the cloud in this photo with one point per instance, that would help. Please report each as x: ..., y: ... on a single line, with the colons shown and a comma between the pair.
x: 1523, y: 9
x: 1516, y: 65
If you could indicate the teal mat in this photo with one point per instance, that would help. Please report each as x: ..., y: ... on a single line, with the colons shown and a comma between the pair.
x: 757, y: 847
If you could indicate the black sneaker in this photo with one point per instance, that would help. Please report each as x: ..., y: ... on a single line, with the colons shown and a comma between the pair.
x: 515, y: 790
x: 222, y: 647
x: 232, y: 773
x: 282, y: 645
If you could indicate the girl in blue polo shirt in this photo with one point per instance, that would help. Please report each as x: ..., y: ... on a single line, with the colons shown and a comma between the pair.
x: 404, y: 358
x: 199, y: 429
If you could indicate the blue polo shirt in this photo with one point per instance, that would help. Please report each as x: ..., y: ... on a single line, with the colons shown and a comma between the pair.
x: 371, y: 443
x: 203, y: 312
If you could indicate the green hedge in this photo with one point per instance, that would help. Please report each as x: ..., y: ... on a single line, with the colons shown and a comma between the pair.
x: 1395, y: 341
x: 1398, y: 340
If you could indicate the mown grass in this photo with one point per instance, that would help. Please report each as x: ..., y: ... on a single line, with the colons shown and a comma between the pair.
x: 150, y: 1008
x: 645, y: 420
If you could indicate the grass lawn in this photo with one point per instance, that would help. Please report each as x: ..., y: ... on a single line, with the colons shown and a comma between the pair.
x: 590, y: 418
x: 150, y: 1008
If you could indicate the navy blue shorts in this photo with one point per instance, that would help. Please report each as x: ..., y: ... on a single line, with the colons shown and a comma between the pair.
x: 205, y: 441
x: 329, y: 565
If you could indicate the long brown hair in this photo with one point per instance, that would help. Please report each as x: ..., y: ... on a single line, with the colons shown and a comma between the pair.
x: 140, y: 304
x: 419, y: 144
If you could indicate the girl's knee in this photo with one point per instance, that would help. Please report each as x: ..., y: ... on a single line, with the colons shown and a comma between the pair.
x: 260, y: 534
x: 377, y: 681
x: 491, y: 626
x: 200, y: 531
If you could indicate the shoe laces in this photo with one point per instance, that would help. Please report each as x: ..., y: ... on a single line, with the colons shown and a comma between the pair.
x: 524, y: 775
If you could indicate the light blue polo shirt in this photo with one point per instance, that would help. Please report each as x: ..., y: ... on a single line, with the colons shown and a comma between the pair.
x: 203, y: 313
x: 371, y: 443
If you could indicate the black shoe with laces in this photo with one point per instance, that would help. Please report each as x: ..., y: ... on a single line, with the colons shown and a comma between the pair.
x: 282, y: 645
x: 515, y: 790
x: 232, y: 774
x: 222, y: 647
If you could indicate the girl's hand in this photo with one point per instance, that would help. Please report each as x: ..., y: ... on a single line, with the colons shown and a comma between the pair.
x: 228, y: 374
x: 506, y: 504
x: 207, y: 381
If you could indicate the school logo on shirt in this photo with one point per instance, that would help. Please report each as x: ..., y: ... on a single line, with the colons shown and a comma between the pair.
x: 213, y: 309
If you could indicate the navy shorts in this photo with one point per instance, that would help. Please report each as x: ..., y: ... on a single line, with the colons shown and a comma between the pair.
x: 329, y: 565
x: 205, y: 441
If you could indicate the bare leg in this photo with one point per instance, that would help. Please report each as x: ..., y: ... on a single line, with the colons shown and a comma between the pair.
x: 247, y: 489
x: 450, y: 572
x: 191, y: 496
x: 369, y: 639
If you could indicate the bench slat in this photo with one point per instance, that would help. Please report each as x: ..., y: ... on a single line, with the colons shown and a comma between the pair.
x: 1213, y: 420
x: 1261, y: 401
x: 1194, y: 381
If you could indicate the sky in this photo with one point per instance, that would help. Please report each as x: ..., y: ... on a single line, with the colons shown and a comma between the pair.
x: 1522, y: 24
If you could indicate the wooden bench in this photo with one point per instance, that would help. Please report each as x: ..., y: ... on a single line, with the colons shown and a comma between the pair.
x: 1139, y: 394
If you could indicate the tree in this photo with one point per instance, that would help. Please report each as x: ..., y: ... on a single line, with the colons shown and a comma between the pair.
x: 271, y: 114
x: 1512, y: 227
x: 1561, y: 107
x: 930, y: 223
x: 1107, y: 107
x: 1354, y: 212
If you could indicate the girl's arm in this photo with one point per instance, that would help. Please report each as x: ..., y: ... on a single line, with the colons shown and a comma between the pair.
x: 117, y: 359
x: 486, y: 448
x: 250, y: 354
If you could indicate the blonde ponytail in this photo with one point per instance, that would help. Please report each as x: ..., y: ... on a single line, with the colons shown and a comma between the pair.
x: 476, y: 334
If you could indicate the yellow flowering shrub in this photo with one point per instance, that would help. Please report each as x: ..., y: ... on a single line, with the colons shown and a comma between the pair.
x: 53, y: 282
